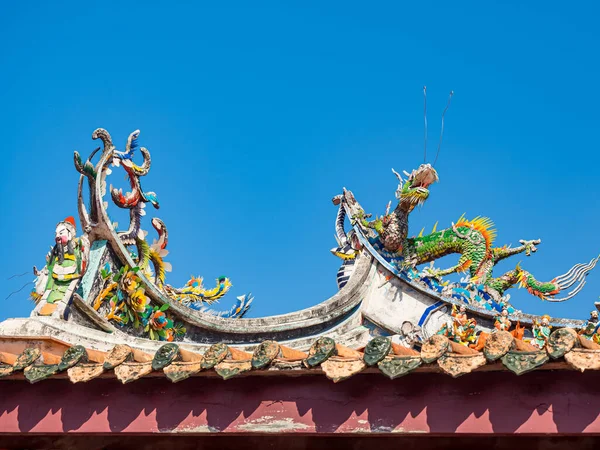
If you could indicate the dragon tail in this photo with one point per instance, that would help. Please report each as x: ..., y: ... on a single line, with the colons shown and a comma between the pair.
x: 575, y: 278
x: 237, y: 311
x: 540, y: 289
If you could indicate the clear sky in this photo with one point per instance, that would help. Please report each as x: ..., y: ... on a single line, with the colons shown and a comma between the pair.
x: 257, y: 114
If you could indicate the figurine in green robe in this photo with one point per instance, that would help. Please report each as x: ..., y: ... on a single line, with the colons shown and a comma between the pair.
x: 591, y: 326
x: 65, y: 265
x: 541, y: 332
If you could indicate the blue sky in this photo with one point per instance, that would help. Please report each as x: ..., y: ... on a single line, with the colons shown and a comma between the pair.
x: 256, y: 115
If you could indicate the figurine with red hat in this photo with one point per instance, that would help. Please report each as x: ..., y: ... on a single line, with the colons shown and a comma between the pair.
x: 65, y: 265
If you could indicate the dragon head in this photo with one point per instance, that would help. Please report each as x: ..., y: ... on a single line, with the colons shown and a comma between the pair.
x: 414, y: 190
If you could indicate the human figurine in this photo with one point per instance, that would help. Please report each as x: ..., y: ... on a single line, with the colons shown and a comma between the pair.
x: 65, y: 265
x: 466, y: 334
x: 459, y: 320
x: 541, y: 332
x: 502, y: 323
x: 462, y: 329
x: 591, y: 326
x: 447, y: 330
x: 460, y: 316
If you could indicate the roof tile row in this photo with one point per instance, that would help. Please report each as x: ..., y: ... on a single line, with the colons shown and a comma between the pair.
x: 42, y: 358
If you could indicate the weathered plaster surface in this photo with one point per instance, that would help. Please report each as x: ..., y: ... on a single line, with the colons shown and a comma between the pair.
x: 478, y: 403
x: 338, y: 317
x: 349, y: 332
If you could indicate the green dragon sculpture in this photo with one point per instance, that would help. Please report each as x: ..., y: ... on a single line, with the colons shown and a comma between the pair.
x: 471, y: 239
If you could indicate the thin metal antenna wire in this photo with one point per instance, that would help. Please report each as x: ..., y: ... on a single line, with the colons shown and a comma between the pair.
x: 19, y: 275
x: 442, y: 130
x: 425, y: 119
x: 19, y: 290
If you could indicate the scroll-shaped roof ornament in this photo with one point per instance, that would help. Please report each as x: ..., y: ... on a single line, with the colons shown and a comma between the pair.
x: 132, y: 290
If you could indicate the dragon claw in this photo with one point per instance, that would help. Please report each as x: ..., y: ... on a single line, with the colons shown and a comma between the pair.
x: 530, y: 246
x: 430, y: 272
x: 361, y: 218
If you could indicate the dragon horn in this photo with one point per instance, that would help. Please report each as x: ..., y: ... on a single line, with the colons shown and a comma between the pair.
x: 398, y: 176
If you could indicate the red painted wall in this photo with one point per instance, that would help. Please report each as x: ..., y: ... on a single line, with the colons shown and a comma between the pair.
x: 495, y: 402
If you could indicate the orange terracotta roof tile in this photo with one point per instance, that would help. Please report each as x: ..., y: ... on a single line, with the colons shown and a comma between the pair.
x: 38, y: 358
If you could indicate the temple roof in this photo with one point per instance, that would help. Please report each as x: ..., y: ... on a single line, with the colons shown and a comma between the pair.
x: 38, y: 358
x: 104, y: 307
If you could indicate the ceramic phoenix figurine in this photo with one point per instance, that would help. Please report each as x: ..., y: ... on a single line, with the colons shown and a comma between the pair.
x: 541, y: 332
x: 65, y: 265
